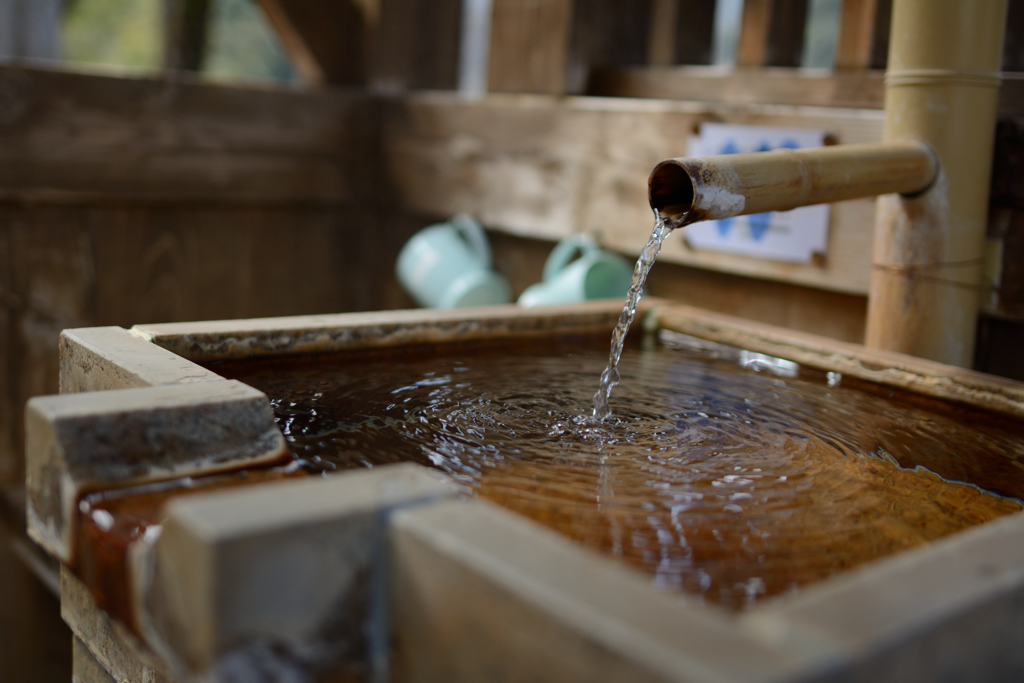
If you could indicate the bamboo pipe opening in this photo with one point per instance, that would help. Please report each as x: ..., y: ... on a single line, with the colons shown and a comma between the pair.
x: 709, y: 188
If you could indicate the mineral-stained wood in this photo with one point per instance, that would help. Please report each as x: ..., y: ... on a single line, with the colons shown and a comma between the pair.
x: 529, y: 46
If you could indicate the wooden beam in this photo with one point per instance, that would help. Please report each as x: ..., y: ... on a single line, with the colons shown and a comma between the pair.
x: 856, y: 34
x: 529, y: 46
x: 865, y: 89
x: 185, y: 24
x: 326, y: 40
x: 71, y: 138
x: 846, y: 88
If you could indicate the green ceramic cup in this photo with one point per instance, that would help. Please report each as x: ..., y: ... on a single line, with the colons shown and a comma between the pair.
x: 579, y: 270
x: 448, y: 265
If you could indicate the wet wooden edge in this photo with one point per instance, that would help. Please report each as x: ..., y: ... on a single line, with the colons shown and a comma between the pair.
x: 966, y: 573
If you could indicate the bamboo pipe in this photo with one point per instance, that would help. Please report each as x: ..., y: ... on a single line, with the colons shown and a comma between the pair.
x: 942, y: 86
x: 709, y: 188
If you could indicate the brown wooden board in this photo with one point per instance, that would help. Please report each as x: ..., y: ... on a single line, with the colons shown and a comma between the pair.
x: 606, y: 32
x: 417, y: 44
x: 545, y: 168
x: 69, y: 136
x: 529, y: 46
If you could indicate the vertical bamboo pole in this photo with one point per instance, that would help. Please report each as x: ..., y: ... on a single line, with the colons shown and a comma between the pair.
x: 942, y: 87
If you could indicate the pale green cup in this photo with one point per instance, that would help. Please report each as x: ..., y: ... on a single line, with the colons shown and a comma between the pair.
x: 448, y: 265
x: 596, y: 274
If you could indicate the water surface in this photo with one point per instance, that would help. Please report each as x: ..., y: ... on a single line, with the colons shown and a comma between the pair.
x: 727, y: 484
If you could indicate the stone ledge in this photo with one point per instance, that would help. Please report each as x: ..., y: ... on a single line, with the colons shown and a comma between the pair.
x: 479, y: 593
x: 288, y: 576
x: 101, y: 358
x: 81, y: 442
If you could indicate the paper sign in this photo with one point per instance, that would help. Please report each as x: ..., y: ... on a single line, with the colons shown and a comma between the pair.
x: 793, y: 236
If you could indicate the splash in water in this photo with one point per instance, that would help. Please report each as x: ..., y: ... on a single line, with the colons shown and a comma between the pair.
x: 663, y: 225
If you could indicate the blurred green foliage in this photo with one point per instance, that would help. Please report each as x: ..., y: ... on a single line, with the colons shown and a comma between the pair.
x: 240, y: 43
x: 124, y: 33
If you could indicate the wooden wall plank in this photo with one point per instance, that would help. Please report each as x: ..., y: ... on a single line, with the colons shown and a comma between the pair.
x: 545, y: 168
x: 862, y: 90
x: 846, y: 88
x: 661, y: 42
x: 152, y: 140
x: 184, y: 28
x: 754, y: 26
x: 1013, y: 45
x: 417, y: 45
x: 604, y: 33
x: 48, y: 286
x: 880, y: 35
x: 771, y: 33
x: 695, y: 30
x: 786, y: 33
x: 856, y: 34
x: 529, y: 46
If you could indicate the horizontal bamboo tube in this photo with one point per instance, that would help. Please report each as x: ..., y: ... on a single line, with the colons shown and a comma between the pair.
x: 709, y: 188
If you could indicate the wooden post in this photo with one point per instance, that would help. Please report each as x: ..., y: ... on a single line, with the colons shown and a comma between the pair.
x: 695, y: 29
x: 772, y: 33
x: 417, y: 44
x: 529, y: 46
x: 185, y: 34
x: 681, y: 32
x: 754, y: 33
x: 661, y: 46
x: 327, y: 41
x: 607, y: 33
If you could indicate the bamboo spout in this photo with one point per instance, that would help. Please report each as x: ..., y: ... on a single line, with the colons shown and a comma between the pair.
x: 710, y: 188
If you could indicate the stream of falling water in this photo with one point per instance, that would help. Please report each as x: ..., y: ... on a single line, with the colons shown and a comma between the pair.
x: 663, y: 225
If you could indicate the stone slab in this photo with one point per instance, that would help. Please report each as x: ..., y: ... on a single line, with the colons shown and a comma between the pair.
x: 100, y: 358
x: 480, y: 593
x: 90, y: 441
x: 222, y: 339
x: 952, y: 610
x: 85, y: 668
x: 282, y: 578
